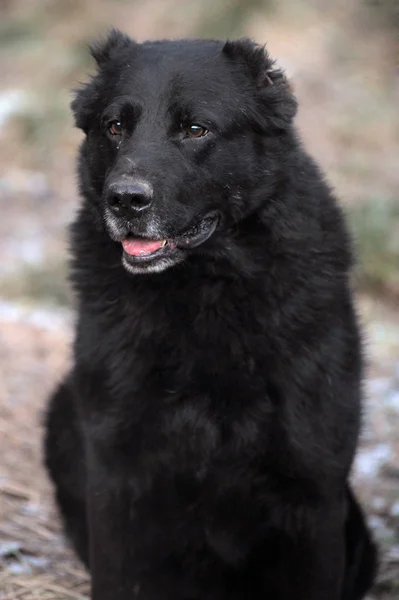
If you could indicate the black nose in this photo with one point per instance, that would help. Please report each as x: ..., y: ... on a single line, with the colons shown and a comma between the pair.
x: 129, y: 198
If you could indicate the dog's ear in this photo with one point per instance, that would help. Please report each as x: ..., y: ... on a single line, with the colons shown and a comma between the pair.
x: 87, y: 95
x: 82, y: 104
x: 104, y: 50
x: 253, y: 57
x: 276, y: 104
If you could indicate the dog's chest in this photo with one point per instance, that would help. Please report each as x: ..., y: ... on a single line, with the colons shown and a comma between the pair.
x: 185, y: 383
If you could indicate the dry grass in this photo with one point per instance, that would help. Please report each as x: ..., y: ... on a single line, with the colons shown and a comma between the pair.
x: 35, y: 562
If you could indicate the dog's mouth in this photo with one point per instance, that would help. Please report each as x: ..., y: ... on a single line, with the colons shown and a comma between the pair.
x: 138, y: 249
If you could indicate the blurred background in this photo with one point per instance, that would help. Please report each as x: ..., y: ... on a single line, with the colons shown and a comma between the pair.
x: 342, y: 58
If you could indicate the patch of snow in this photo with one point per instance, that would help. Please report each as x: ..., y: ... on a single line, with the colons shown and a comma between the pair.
x: 392, y: 400
x: 376, y: 522
x: 29, y: 251
x: 378, y: 504
x: 11, y: 102
x: 44, y: 318
x: 377, y: 386
x: 369, y: 461
x: 395, y: 509
x: 10, y: 548
x: 24, y: 181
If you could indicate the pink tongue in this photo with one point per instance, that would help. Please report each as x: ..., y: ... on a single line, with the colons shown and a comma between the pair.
x: 135, y: 247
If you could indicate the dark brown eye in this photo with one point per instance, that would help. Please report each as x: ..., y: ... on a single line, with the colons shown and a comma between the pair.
x: 195, y: 131
x: 115, y: 128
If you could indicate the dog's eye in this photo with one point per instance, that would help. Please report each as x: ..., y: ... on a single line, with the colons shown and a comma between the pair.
x: 115, y: 128
x: 195, y: 131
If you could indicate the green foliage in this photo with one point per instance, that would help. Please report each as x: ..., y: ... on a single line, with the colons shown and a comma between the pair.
x: 221, y: 19
x: 385, y: 12
x: 40, y: 124
x: 375, y: 224
x: 13, y: 33
x: 45, y: 283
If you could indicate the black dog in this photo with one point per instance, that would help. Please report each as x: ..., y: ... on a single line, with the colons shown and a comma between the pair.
x: 202, y: 443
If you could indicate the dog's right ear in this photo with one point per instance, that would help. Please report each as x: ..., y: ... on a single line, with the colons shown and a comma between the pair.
x: 82, y: 105
x: 104, y: 50
x: 86, y: 96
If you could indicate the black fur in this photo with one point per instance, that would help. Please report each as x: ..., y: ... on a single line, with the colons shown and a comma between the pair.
x: 202, y: 443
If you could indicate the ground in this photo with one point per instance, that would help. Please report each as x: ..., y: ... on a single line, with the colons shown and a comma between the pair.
x: 35, y: 561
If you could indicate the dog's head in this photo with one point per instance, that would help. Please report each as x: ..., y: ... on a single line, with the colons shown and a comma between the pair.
x: 183, y: 140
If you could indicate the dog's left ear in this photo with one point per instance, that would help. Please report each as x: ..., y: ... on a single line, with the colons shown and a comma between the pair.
x: 276, y: 104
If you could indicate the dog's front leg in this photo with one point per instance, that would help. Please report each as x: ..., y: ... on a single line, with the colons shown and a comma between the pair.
x: 110, y: 518
x: 312, y: 558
